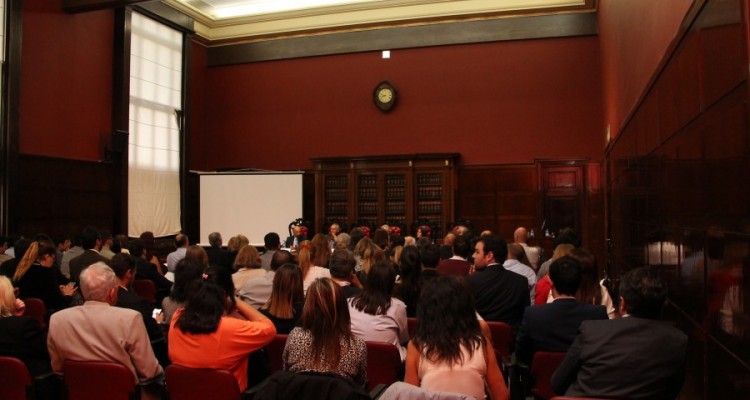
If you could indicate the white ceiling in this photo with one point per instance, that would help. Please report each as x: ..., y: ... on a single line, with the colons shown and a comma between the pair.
x: 242, y: 20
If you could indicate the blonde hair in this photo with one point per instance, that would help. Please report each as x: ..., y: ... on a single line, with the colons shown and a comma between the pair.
x: 562, y: 250
x: 35, y: 251
x: 247, y: 257
x: 369, y: 252
x: 304, y: 257
x: 7, y: 298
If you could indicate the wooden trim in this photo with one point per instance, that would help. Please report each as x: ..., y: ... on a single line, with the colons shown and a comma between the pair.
x: 75, y: 6
x: 9, y: 137
x: 448, y: 33
x: 120, y: 114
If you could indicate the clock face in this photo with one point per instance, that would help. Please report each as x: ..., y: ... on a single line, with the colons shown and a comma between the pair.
x: 384, y: 96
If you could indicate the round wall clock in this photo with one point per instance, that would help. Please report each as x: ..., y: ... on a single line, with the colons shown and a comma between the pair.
x: 384, y: 96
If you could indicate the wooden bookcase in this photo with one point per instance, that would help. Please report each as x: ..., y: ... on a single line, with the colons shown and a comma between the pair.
x: 377, y: 189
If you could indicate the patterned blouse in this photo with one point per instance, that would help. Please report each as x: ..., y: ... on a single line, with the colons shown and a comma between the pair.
x: 297, y: 357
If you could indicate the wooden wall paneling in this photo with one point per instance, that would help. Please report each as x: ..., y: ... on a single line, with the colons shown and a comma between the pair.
x: 688, y: 70
x: 721, y: 52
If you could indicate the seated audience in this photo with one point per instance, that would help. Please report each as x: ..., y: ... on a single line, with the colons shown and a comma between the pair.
x: 366, y: 253
x: 35, y: 277
x: 182, y: 242
x: 448, y: 351
x: 633, y: 357
x: 375, y: 315
x: 149, y: 243
x: 342, y: 241
x: 429, y: 254
x: 8, y: 268
x: 272, y: 243
x: 217, y: 255
x: 247, y: 266
x: 97, y: 331
x: 234, y: 245
x: 284, y: 307
x: 298, y: 236
x: 310, y: 271
x: 513, y: 263
x: 146, y: 270
x: 554, y: 326
x: 257, y: 291
x: 409, y: 282
x: 320, y: 250
x: 21, y: 337
x: 341, y: 266
x: 123, y: 265
x: 92, y: 244
x: 500, y: 295
x: 187, y: 271
x: 543, y: 283
x: 592, y: 290
x: 324, y: 342
x: 203, y: 335
x: 457, y: 264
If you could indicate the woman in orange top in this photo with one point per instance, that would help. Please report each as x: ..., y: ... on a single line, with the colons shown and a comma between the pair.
x: 202, y: 335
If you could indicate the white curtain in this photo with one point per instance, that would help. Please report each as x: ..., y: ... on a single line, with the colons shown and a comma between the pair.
x: 154, y: 141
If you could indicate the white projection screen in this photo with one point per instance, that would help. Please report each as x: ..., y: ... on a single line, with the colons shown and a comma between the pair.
x: 249, y: 203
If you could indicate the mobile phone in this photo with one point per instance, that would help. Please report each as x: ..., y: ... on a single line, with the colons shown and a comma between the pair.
x: 156, y: 313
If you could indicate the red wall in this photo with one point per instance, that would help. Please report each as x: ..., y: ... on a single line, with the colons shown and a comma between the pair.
x: 197, y: 84
x: 634, y: 37
x: 66, y: 81
x: 495, y: 103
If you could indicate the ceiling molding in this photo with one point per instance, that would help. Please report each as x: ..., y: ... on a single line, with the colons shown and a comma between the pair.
x: 499, y: 29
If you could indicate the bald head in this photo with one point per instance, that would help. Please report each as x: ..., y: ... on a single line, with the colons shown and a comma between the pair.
x: 520, y: 235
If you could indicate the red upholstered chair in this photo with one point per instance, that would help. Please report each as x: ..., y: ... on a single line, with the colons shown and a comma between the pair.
x: 35, y: 308
x: 502, y: 340
x: 145, y: 288
x: 275, y: 349
x: 185, y: 383
x: 93, y: 380
x: 15, y: 379
x: 383, y: 364
x: 543, y: 365
x: 577, y: 398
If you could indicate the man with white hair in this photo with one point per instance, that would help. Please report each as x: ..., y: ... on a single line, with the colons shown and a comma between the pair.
x: 97, y: 331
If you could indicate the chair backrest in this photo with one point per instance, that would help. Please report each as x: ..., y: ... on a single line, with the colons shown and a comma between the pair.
x: 35, y: 308
x: 275, y: 349
x: 543, y: 365
x: 15, y: 379
x: 91, y: 380
x: 185, y: 383
x: 383, y: 363
x: 145, y: 288
x: 304, y: 386
x: 502, y: 340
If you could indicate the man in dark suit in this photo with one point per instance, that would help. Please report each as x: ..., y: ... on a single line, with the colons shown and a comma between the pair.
x: 633, y: 357
x: 298, y: 236
x: 216, y: 254
x: 554, y: 326
x: 499, y: 294
x: 123, y: 266
x: 91, y: 244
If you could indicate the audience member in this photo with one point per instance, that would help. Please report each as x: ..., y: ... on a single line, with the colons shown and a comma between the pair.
x: 284, y: 307
x: 448, y: 351
x: 272, y: 243
x: 149, y: 243
x: 107, y: 242
x: 458, y: 263
x: 430, y: 257
x: 544, y: 284
x: 97, y: 331
x: 320, y: 250
x: 123, y: 265
x: 20, y: 336
x: 566, y: 236
x: 533, y: 253
x: 63, y: 243
x: 324, y: 342
x: 4, y: 245
x: 257, y: 291
x: 381, y: 238
x: 35, y: 278
x: 199, y: 253
x: 74, y: 251
x: 592, y: 290
x: 554, y: 326
x: 342, y: 241
x: 366, y: 253
x: 356, y: 234
x: 8, y: 268
x: 247, y: 265
x: 409, y: 283
x: 124, y: 243
x: 91, y: 244
x: 202, y: 335
x: 182, y: 242
x: 147, y: 270
x: 233, y: 247
x: 341, y: 266
x: 500, y: 295
x: 188, y: 270
x: 377, y: 316
x: 655, y: 351
x: 217, y: 255
x: 333, y: 232
x: 310, y: 272
x: 512, y: 263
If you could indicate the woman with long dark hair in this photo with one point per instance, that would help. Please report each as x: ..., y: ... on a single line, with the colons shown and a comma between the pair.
x: 375, y: 315
x: 592, y: 290
x: 448, y: 351
x: 187, y: 271
x: 409, y: 283
x: 35, y: 278
x: 324, y: 342
x: 203, y: 335
x: 284, y: 307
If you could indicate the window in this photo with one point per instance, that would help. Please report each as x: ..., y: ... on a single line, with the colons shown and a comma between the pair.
x: 154, y: 140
